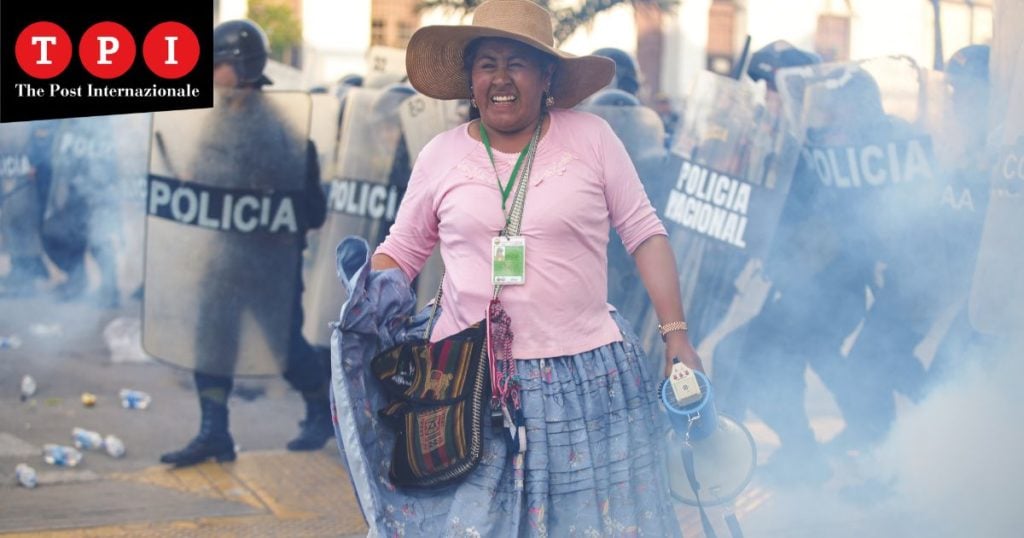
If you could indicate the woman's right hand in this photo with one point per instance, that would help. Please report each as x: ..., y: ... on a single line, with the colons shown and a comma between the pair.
x: 677, y: 346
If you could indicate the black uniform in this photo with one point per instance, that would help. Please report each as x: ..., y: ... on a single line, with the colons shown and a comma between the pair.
x: 247, y: 134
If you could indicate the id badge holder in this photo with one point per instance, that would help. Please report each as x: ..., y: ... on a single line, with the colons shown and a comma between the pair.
x: 508, y: 260
x: 515, y: 423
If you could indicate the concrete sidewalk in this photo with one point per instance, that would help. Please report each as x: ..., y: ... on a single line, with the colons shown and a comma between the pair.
x: 261, y: 494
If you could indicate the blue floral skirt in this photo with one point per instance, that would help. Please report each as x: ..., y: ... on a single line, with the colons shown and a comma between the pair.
x: 594, y: 464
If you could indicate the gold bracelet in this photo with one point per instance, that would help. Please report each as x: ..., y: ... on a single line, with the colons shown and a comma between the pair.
x: 671, y: 327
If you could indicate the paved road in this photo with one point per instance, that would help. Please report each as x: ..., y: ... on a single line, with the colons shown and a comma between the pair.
x: 268, y: 491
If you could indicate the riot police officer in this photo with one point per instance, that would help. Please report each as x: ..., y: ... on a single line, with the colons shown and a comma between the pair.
x: 240, y: 54
x: 24, y: 176
x: 82, y: 214
x: 808, y: 311
x: 626, y: 78
x: 965, y: 201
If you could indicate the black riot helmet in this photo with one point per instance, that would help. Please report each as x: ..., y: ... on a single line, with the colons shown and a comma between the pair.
x: 346, y: 83
x: 613, y: 97
x: 244, y: 45
x: 778, y: 55
x: 970, y: 61
x: 626, y: 77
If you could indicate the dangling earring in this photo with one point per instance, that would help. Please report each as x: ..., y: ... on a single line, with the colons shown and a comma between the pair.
x: 472, y: 102
x: 549, y: 101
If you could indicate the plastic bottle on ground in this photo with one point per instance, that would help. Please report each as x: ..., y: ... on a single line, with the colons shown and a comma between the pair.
x: 86, y: 439
x: 28, y: 387
x: 134, y: 399
x: 61, y: 456
x: 114, y: 446
x: 26, y: 475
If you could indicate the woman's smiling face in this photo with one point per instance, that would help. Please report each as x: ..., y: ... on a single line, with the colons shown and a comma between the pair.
x: 509, y: 80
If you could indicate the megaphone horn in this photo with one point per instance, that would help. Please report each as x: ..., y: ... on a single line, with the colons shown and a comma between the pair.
x: 723, y: 450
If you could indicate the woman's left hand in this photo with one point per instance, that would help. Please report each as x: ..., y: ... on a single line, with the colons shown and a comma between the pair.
x: 677, y: 344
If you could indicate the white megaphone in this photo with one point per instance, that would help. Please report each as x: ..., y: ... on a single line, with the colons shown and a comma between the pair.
x: 723, y: 452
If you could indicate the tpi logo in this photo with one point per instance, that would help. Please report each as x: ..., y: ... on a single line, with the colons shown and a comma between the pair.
x: 107, y: 50
x: 69, y: 58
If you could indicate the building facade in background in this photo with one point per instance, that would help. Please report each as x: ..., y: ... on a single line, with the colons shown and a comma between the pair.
x: 392, y: 22
x: 671, y: 48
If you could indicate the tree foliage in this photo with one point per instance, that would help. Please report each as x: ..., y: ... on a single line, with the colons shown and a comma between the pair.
x: 280, y: 23
x: 567, y: 19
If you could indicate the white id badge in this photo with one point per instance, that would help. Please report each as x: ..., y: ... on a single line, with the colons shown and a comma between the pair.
x: 508, y: 260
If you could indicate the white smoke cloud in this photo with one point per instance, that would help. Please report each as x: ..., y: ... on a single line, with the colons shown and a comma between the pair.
x: 956, y: 458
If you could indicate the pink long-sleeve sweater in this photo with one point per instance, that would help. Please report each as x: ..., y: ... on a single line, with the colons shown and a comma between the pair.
x: 581, y: 183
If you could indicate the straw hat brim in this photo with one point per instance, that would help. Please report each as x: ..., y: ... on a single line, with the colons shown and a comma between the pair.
x: 434, y: 64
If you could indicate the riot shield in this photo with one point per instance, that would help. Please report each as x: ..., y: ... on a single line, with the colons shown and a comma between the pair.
x: 423, y: 118
x: 325, y: 131
x: 870, y: 140
x: 954, y: 115
x: 726, y: 179
x: 19, y: 196
x: 225, y: 228
x: 871, y: 132
x: 642, y: 133
x: 83, y: 210
x: 130, y: 135
x: 362, y: 199
x: 95, y: 190
x: 997, y: 292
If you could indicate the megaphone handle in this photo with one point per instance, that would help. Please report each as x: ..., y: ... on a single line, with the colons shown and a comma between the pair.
x: 691, y: 476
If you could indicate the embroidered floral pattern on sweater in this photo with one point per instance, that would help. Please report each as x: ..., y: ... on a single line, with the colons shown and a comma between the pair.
x: 477, y: 172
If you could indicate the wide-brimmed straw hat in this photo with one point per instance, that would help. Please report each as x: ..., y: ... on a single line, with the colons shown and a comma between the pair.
x: 434, y: 58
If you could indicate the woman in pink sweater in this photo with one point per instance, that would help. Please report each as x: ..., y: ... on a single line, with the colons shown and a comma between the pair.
x: 592, y: 463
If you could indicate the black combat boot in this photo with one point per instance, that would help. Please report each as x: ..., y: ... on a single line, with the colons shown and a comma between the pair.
x: 213, y: 440
x: 318, y: 426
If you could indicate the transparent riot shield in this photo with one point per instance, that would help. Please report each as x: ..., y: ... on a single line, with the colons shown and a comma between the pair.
x: 643, y: 134
x: 362, y: 199
x: 130, y: 135
x: 880, y: 225
x: 997, y: 292
x: 325, y: 132
x: 725, y: 181
x: 954, y: 116
x: 225, y: 226
x: 871, y: 131
x: 83, y: 209
x: 423, y: 118
x: 19, y: 196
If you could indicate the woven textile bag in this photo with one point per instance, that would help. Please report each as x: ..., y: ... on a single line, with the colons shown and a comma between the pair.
x: 440, y: 393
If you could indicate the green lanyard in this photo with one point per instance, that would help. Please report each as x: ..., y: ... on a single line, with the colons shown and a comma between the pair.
x: 507, y: 189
